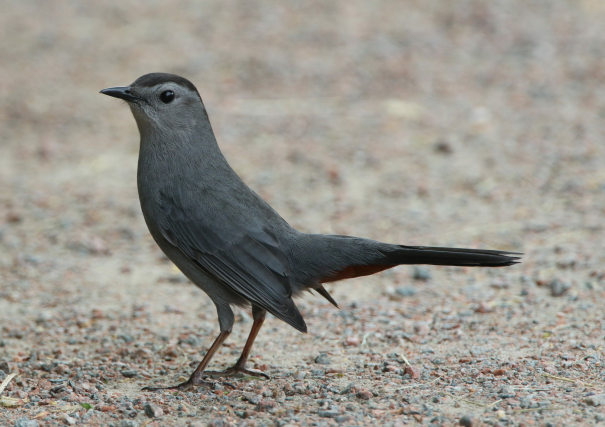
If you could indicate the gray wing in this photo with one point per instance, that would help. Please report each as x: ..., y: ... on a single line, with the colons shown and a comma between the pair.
x: 250, y: 262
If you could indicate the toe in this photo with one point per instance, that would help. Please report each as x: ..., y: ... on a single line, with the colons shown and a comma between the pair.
x: 237, y: 371
x: 259, y: 374
x: 226, y: 373
x: 253, y: 373
x: 181, y: 387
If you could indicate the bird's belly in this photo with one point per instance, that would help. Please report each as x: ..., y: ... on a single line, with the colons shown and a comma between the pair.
x: 216, y: 290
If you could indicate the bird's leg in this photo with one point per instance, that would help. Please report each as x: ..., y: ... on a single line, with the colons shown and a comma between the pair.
x: 240, y: 366
x: 196, y: 377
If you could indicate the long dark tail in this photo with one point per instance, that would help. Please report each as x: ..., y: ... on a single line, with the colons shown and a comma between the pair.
x: 451, y: 256
x: 332, y: 258
x: 384, y: 256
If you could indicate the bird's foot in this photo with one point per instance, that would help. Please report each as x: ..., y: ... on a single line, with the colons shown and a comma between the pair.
x: 238, y: 370
x: 186, y: 386
x: 189, y: 385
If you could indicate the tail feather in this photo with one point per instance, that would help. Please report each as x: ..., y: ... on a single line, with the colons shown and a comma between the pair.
x: 450, y: 256
x: 324, y: 293
x: 395, y: 255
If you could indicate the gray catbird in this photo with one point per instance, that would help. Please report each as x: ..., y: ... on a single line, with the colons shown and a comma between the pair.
x: 229, y: 241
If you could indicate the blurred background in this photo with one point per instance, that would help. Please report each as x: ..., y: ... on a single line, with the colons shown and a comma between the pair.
x: 423, y: 122
x: 398, y: 121
x: 426, y: 122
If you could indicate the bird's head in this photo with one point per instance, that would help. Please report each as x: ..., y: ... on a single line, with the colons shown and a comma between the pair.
x: 162, y: 103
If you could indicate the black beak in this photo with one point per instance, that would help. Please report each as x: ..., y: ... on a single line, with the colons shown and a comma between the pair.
x: 122, y: 92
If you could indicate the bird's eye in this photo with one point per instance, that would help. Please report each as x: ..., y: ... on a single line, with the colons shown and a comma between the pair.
x: 167, y: 96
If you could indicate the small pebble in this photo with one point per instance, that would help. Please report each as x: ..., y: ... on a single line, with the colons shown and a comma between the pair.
x: 484, y: 308
x: 266, y: 405
x: 130, y: 373
x: 254, y: 399
x: 26, y: 422
x: 420, y: 273
x: 413, y: 372
x: 443, y: 147
x: 153, y: 411
x: 365, y: 395
x: 144, y: 353
x: 250, y: 414
x: 467, y: 421
x: 68, y: 420
x: 352, y: 341
x: 300, y: 375
x: 405, y: 291
x: 323, y: 359
x: 558, y: 287
x: 193, y: 341
x: 596, y: 400
x: 348, y: 388
x: 329, y: 414
x: 500, y: 283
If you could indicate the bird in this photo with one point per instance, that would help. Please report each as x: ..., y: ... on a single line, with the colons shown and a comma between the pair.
x: 230, y: 242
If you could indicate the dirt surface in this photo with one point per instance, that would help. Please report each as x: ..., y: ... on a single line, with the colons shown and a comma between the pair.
x: 470, y: 124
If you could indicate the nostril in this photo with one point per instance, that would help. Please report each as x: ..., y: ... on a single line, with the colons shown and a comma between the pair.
x: 127, y: 91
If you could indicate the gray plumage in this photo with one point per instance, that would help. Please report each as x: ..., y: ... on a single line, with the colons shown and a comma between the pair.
x: 223, y: 236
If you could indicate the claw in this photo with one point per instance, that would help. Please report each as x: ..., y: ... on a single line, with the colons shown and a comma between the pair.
x: 234, y: 370
x: 229, y: 384
x: 188, y: 385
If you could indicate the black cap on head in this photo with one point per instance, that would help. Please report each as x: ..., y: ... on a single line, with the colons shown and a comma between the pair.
x: 153, y: 79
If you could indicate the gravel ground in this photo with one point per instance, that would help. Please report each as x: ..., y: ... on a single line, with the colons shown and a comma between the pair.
x: 471, y: 124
